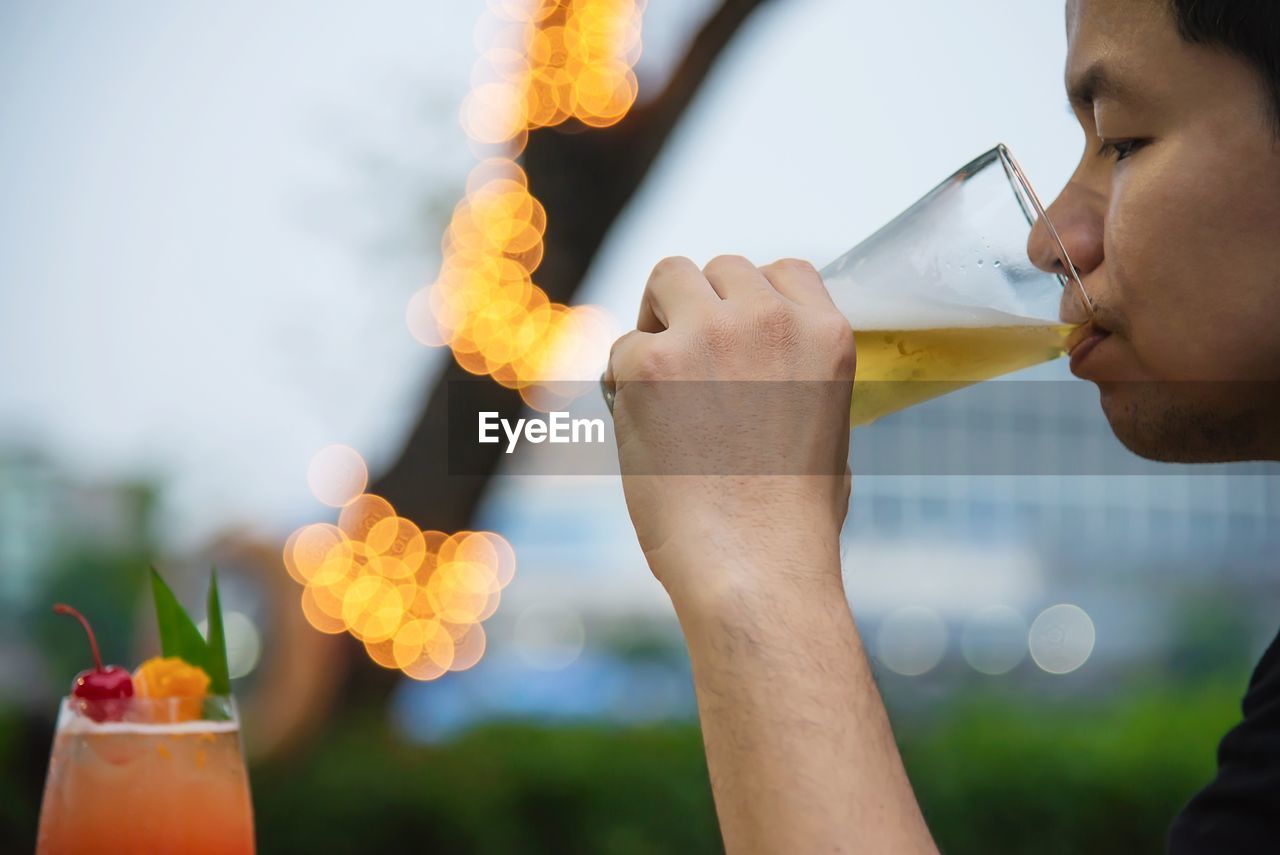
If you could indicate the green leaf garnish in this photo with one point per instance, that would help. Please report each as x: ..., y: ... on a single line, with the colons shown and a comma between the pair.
x: 219, y: 677
x: 180, y: 637
x: 178, y: 633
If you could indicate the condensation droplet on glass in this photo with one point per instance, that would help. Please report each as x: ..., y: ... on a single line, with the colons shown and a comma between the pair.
x: 996, y: 264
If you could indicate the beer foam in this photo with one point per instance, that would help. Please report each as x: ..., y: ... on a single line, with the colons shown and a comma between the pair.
x: 905, y: 305
x: 870, y: 309
x: 80, y: 725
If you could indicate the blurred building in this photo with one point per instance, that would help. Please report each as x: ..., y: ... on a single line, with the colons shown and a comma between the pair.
x: 45, y: 512
x: 64, y: 537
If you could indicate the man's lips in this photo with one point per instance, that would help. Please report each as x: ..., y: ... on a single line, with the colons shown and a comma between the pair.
x: 1082, y: 341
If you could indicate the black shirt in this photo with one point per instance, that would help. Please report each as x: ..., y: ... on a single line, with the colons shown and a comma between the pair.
x: 1239, y: 811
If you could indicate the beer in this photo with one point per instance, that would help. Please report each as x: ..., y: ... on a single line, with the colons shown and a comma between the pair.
x: 900, y: 367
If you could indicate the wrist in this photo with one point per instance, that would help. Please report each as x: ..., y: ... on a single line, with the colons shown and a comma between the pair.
x: 745, y: 583
x: 765, y: 631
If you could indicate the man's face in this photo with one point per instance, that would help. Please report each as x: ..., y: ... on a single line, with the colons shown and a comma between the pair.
x: 1173, y: 219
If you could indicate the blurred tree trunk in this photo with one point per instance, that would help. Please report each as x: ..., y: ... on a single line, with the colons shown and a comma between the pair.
x: 584, y: 178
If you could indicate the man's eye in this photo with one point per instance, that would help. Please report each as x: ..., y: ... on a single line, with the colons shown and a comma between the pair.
x: 1120, y: 149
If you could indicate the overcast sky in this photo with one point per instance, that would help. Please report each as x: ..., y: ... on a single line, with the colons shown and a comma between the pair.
x: 214, y: 213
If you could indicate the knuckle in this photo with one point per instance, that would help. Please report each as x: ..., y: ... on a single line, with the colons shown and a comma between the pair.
x: 630, y: 351
x: 797, y: 264
x: 619, y: 354
x: 618, y: 344
x: 655, y: 362
x: 670, y: 265
x: 721, y: 261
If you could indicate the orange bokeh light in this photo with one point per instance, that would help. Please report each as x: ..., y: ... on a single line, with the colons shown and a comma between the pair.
x: 468, y: 645
x: 317, y: 617
x: 571, y: 59
x: 362, y: 514
x: 415, y: 599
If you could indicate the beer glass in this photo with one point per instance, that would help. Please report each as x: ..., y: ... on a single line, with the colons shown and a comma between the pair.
x: 945, y: 295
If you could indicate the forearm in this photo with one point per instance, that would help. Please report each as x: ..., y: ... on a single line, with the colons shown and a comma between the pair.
x: 738, y: 506
x: 801, y: 755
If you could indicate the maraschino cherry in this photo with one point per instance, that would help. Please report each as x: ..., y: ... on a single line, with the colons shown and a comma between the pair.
x: 103, y: 689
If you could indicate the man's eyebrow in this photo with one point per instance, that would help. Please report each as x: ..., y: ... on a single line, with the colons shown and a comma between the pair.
x: 1095, y: 83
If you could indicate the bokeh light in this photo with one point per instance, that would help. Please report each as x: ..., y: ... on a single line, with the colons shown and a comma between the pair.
x: 337, y: 475
x: 569, y: 60
x: 244, y: 642
x: 414, y: 599
x: 911, y: 640
x: 994, y: 640
x: 1061, y: 638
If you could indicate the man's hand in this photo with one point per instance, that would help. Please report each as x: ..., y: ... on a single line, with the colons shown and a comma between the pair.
x: 732, y: 420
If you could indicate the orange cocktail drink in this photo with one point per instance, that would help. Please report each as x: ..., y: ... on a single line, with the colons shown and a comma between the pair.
x: 150, y: 761
x: 148, y: 782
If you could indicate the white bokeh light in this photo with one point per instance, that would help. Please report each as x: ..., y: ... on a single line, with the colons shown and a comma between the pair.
x: 1061, y: 638
x: 337, y: 475
x: 911, y: 640
x: 244, y: 643
x: 994, y: 640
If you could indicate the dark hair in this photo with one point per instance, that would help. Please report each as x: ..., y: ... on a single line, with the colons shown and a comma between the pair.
x: 1248, y: 28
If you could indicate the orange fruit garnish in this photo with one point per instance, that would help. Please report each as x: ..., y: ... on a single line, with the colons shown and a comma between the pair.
x: 171, y: 678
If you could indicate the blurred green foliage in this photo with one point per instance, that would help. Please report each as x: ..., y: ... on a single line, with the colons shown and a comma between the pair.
x: 100, y: 567
x: 999, y: 776
x: 18, y: 799
x: 500, y: 789
x: 994, y: 774
x: 107, y: 586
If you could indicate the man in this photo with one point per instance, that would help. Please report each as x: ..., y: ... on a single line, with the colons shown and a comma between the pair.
x: 1173, y: 219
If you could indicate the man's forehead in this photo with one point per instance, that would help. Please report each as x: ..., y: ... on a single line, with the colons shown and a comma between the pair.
x: 1118, y: 17
x: 1108, y: 41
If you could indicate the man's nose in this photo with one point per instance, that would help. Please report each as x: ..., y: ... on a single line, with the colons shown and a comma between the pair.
x: 1078, y: 221
x: 1077, y: 218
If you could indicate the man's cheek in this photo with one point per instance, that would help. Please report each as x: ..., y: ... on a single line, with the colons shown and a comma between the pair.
x: 1152, y: 229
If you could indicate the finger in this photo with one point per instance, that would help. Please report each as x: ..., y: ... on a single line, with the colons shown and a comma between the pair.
x: 619, y: 354
x: 733, y: 277
x: 799, y: 282
x: 675, y: 287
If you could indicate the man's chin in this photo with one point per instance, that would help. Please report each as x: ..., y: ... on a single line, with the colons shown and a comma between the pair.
x: 1183, y: 423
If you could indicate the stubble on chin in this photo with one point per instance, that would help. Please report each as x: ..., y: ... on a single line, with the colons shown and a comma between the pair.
x: 1192, y: 423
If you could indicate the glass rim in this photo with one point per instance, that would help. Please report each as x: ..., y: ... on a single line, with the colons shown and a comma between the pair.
x: 137, y: 699
x: 1026, y: 194
x: 190, y: 711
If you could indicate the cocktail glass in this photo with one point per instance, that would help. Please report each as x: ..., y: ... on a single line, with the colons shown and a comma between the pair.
x: 167, y: 777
